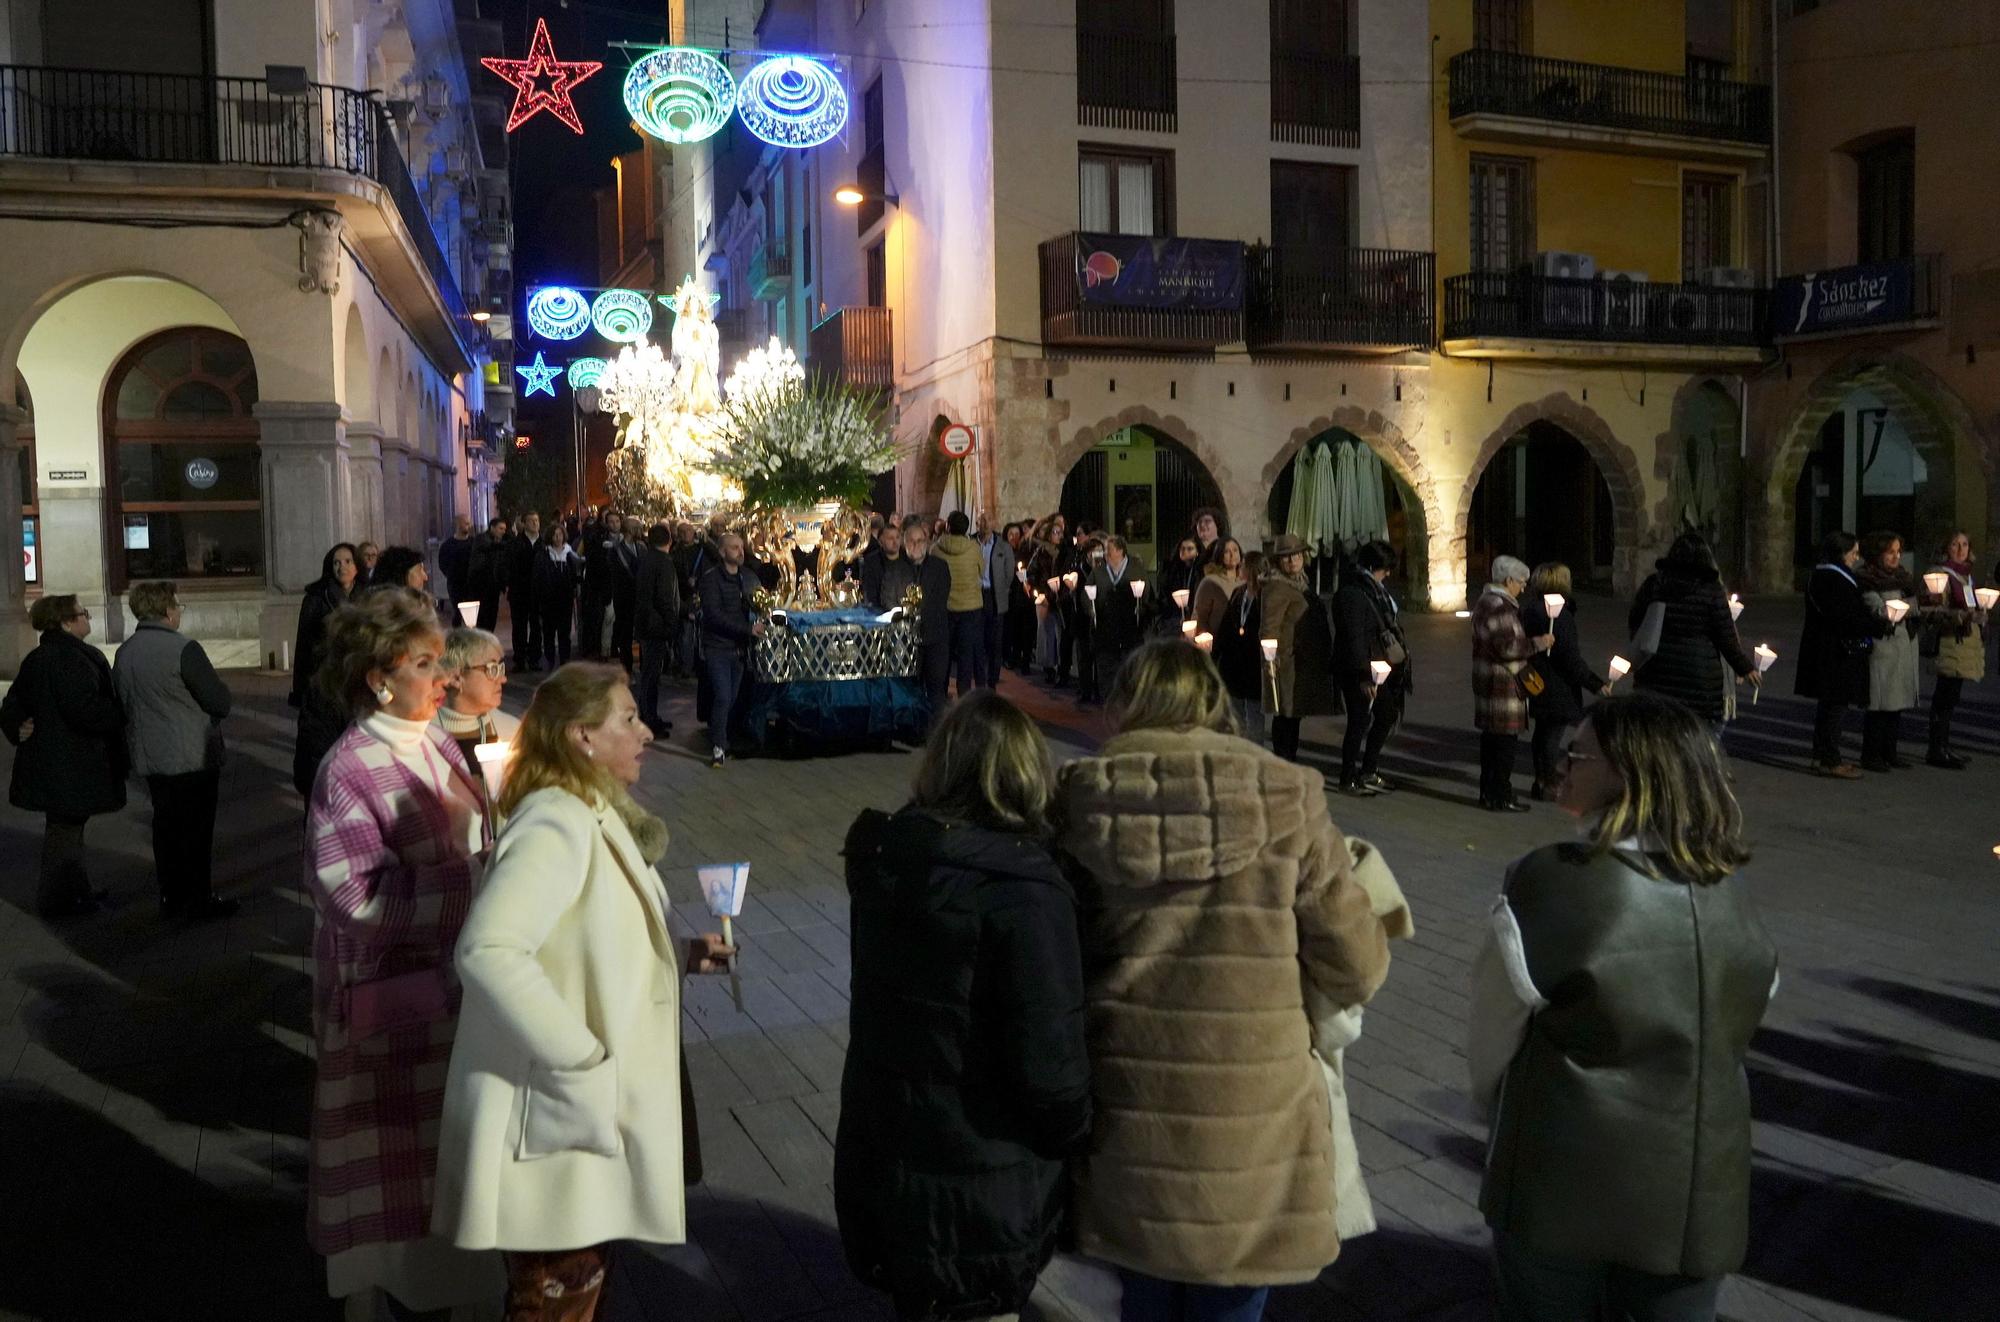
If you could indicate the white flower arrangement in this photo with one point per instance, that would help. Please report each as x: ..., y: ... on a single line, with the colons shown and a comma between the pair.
x: 790, y: 442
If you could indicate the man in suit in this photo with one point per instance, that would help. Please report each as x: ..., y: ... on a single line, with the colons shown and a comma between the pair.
x: 996, y: 576
x: 597, y: 582
x: 657, y: 601
x: 455, y: 563
x: 624, y: 592
x: 486, y: 572
x: 1121, y: 616
x: 932, y: 576
x: 521, y: 592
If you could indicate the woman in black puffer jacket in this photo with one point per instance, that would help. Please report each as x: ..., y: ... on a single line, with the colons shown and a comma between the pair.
x: 1698, y: 636
x: 967, y: 1085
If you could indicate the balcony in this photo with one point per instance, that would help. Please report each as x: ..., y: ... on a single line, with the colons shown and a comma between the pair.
x: 1517, y: 314
x: 856, y: 347
x: 1127, y: 80
x: 1368, y: 300
x: 1902, y: 294
x: 1500, y: 96
x: 1316, y: 99
x: 770, y: 273
x: 226, y: 126
x: 1122, y: 291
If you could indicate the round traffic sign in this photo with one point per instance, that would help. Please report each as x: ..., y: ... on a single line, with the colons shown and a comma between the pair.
x: 956, y: 441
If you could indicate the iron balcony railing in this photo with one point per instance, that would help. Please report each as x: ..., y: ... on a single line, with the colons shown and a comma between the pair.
x: 1496, y: 82
x: 856, y: 346
x: 186, y: 119
x: 1069, y: 319
x: 1316, y: 99
x: 1362, y: 297
x: 1522, y: 305
x: 1127, y: 80
x: 770, y: 273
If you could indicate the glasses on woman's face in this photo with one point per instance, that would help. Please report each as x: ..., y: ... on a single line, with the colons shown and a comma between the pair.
x: 496, y: 669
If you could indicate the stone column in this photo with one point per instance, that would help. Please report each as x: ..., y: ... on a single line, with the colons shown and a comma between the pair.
x: 307, y: 508
x: 369, y: 491
x: 16, y: 638
x: 402, y: 494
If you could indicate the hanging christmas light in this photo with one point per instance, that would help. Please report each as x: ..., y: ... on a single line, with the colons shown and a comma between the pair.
x: 623, y: 315
x: 792, y: 101
x: 530, y: 97
x: 557, y: 312
x: 679, y: 95
x: 585, y: 372
x: 540, y: 376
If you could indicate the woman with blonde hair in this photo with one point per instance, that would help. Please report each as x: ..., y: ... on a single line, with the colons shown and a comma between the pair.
x: 565, y: 1103
x: 1622, y: 978
x: 1220, y: 892
x: 395, y: 826
x: 1560, y: 676
x: 966, y: 1085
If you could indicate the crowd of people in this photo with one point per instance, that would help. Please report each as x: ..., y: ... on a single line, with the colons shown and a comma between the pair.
x: 1049, y: 968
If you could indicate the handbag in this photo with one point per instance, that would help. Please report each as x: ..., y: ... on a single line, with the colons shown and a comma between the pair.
x: 1530, y: 680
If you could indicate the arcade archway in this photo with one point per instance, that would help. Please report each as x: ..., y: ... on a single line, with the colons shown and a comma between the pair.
x: 1543, y: 497
x: 1392, y: 511
x: 1144, y: 485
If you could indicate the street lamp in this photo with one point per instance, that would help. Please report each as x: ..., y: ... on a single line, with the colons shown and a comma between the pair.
x: 852, y: 195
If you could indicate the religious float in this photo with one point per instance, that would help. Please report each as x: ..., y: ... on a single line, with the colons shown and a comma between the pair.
x: 787, y: 460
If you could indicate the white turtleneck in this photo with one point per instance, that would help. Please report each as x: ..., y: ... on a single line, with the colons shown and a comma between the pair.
x: 415, y: 752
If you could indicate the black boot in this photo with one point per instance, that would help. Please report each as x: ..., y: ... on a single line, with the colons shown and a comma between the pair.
x: 1940, y: 751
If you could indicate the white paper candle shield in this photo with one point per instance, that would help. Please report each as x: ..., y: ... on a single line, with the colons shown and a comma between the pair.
x: 722, y: 887
x: 1766, y: 658
x: 468, y: 611
x: 1180, y: 598
x: 1041, y: 599
x: 1935, y: 582
x: 492, y: 759
x: 1553, y: 603
x: 1619, y: 668
x: 1055, y: 586
x: 1090, y: 591
x: 1138, y: 588
x: 1070, y: 578
x: 1987, y: 598
x: 1380, y: 670
x: 1895, y: 608
x: 1022, y: 573
x: 1270, y: 646
x: 1187, y: 628
x: 1204, y: 641
x: 1735, y: 607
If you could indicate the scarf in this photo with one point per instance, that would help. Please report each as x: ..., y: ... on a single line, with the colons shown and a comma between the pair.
x: 1874, y: 578
x: 1958, y: 594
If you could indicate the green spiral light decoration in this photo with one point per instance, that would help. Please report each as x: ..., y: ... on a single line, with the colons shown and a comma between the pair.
x: 680, y: 95
x: 621, y: 315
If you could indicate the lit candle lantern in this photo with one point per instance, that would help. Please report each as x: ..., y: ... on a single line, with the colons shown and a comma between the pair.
x: 1204, y: 641
x: 492, y: 759
x: 1181, y: 598
x: 1936, y: 581
x: 1735, y: 607
x: 468, y: 611
x: 1270, y: 646
x: 1379, y: 669
x: 1895, y: 608
x: 1619, y: 668
x: 1766, y: 658
x: 1055, y: 586
x: 1090, y: 591
x: 1138, y: 588
x: 1187, y: 628
x: 1987, y: 598
x: 1552, y: 602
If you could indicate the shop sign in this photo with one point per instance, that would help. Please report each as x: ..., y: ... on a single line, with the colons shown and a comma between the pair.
x: 1872, y: 294
x: 201, y: 474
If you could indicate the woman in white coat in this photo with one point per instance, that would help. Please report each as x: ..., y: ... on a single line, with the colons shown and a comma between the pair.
x: 563, y: 1115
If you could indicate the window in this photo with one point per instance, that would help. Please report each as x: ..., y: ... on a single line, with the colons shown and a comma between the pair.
x: 182, y: 463
x: 877, y: 262
x: 1311, y: 210
x: 1885, y: 200
x: 1708, y: 224
x: 1501, y: 25
x: 873, y: 170
x: 1316, y: 27
x: 1315, y: 82
x: 1126, y: 65
x: 1503, y: 212
x: 1124, y: 192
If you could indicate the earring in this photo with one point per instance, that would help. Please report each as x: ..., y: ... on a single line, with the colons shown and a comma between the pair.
x: 590, y: 752
x: 385, y: 695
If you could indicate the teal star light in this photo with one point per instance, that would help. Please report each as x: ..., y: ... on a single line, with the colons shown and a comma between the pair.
x: 540, y: 376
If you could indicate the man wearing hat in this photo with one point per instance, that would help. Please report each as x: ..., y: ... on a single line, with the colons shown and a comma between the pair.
x: 1302, y: 676
x: 1500, y: 647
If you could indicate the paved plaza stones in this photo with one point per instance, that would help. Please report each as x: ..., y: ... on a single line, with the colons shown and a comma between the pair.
x: 153, y: 1084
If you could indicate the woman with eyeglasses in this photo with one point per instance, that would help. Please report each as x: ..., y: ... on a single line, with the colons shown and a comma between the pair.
x: 475, y: 665
x: 63, y: 714
x: 1622, y: 977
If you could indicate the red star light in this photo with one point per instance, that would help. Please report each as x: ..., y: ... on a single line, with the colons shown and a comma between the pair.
x: 530, y: 98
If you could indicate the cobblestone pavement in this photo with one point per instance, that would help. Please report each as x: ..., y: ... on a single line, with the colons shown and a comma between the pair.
x: 153, y: 1084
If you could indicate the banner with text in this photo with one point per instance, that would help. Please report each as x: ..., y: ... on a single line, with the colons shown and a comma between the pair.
x: 1134, y: 271
x: 1875, y: 294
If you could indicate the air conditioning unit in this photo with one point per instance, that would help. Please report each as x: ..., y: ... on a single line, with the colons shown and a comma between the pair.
x: 1624, y: 301
x: 1730, y: 277
x: 1565, y: 265
x: 1687, y: 312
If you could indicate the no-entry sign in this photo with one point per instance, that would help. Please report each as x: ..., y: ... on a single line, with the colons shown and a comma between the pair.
x: 957, y: 441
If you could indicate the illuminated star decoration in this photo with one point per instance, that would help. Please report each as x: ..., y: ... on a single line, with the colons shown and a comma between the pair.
x: 540, y: 376
x: 530, y: 97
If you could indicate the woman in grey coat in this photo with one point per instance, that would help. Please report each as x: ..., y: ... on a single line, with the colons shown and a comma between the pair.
x: 174, y: 705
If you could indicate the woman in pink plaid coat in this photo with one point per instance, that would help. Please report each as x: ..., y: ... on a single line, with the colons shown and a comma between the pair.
x: 1500, y: 648
x: 397, y: 834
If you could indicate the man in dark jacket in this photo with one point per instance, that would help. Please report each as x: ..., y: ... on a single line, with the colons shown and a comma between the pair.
x: 886, y: 554
x: 1696, y: 629
x: 597, y: 574
x: 657, y: 600
x: 1120, y: 617
x: 486, y: 572
x: 1367, y: 628
x: 62, y: 713
x: 932, y: 577
x: 990, y: 1069
x: 625, y: 591
x: 1839, y: 632
x: 521, y: 592
x: 455, y: 563
x: 729, y: 629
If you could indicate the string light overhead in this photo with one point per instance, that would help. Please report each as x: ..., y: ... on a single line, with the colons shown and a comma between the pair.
x: 557, y: 312
x: 531, y: 97
x: 621, y: 315
x: 586, y: 372
x: 792, y: 101
x: 680, y: 95
x: 540, y: 376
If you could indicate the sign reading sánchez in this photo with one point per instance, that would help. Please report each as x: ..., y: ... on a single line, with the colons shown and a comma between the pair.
x: 1874, y: 294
